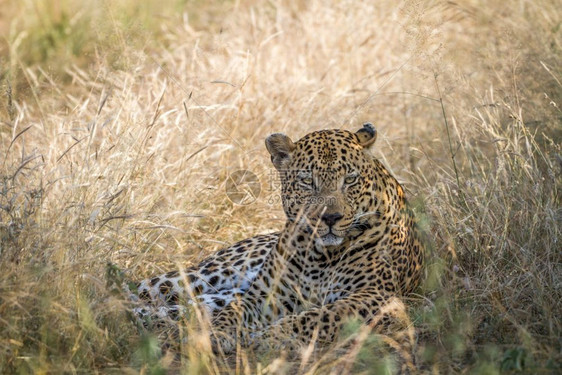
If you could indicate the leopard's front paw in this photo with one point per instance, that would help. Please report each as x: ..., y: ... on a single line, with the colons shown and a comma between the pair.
x: 265, y: 341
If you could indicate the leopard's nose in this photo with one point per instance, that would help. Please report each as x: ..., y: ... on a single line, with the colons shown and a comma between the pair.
x: 331, y: 219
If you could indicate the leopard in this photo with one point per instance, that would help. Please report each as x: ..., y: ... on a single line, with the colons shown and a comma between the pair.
x: 350, y: 249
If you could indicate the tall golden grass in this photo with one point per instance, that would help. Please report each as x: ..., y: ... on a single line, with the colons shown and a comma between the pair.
x: 121, y: 121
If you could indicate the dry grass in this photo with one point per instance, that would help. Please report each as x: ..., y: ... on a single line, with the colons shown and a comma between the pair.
x: 118, y: 130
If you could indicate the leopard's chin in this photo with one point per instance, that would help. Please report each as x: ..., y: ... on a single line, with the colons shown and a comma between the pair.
x: 329, y: 239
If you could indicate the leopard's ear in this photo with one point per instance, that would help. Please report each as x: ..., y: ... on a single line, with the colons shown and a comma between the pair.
x: 367, y: 135
x: 280, y: 147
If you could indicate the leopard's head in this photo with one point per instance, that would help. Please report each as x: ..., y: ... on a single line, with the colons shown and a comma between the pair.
x: 327, y: 180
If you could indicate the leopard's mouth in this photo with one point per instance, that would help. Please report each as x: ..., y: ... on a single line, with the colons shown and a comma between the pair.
x: 330, y: 239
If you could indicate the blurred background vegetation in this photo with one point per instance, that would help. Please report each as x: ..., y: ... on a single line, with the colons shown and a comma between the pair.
x: 120, y: 121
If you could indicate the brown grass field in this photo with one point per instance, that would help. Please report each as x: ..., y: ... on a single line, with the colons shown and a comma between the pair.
x: 120, y: 122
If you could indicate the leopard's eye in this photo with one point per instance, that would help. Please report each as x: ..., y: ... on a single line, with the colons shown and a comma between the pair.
x: 350, y: 179
x: 307, y: 180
